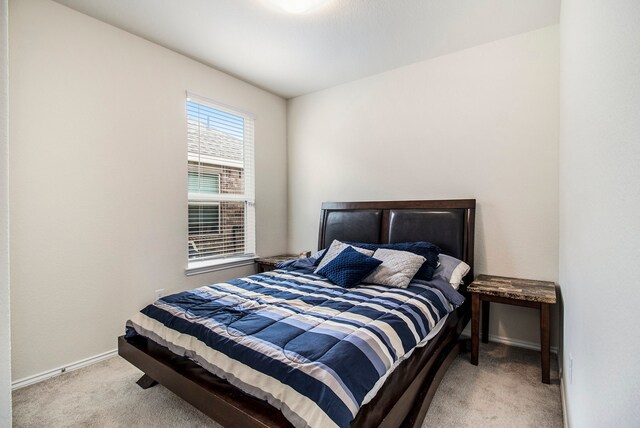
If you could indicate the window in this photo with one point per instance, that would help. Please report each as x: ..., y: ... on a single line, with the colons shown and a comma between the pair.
x: 204, y: 219
x: 203, y: 181
x: 221, y: 216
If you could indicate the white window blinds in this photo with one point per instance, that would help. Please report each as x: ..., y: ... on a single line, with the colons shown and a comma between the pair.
x: 221, y: 181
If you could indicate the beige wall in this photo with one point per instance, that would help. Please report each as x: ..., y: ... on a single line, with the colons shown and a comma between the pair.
x: 5, y: 330
x: 480, y: 123
x: 99, y: 178
x: 599, y: 210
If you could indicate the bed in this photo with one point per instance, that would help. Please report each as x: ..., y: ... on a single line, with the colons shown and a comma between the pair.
x: 404, y: 396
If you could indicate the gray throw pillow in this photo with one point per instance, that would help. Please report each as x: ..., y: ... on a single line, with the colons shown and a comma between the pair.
x: 397, y: 268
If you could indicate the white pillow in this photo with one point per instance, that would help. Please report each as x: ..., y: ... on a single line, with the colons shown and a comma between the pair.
x: 451, y: 269
x: 336, y: 248
x: 397, y: 268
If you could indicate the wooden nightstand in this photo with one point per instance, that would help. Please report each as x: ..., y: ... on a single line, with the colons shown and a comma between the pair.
x: 511, y: 291
x: 269, y: 263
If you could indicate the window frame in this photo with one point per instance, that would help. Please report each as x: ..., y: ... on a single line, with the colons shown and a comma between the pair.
x: 195, y: 162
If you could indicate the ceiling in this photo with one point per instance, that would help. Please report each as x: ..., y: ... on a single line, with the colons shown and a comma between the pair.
x: 341, y: 41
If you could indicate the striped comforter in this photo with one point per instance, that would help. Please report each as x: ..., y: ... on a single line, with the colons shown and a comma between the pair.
x: 314, y: 350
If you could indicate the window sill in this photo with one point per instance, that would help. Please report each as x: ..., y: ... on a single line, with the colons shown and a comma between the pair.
x: 206, y: 266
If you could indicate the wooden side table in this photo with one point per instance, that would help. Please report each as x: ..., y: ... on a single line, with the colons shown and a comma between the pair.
x: 269, y: 263
x: 511, y: 291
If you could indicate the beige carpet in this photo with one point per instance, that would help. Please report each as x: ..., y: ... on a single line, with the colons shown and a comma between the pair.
x: 503, y: 391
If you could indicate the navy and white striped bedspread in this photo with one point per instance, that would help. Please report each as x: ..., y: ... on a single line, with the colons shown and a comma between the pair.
x: 314, y: 350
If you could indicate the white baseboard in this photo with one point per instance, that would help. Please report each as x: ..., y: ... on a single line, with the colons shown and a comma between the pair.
x: 30, y: 380
x: 515, y: 342
x: 563, y: 399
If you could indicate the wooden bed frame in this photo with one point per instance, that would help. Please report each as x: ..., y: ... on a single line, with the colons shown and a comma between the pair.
x: 405, y: 398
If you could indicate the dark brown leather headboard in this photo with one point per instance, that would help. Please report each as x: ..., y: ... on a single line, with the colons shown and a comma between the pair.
x: 447, y: 223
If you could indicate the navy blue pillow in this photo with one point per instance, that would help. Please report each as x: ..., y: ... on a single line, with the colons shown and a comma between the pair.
x: 349, y: 268
x: 422, y: 248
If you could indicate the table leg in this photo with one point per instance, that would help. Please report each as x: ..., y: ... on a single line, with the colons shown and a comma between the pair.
x: 475, y: 327
x: 485, y: 321
x: 545, y: 342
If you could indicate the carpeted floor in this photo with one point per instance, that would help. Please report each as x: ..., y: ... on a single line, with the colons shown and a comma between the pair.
x: 503, y: 391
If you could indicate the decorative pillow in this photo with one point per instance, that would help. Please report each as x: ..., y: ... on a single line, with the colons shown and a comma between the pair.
x: 452, y: 270
x: 349, y: 267
x: 397, y: 268
x: 336, y: 248
x: 422, y: 248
